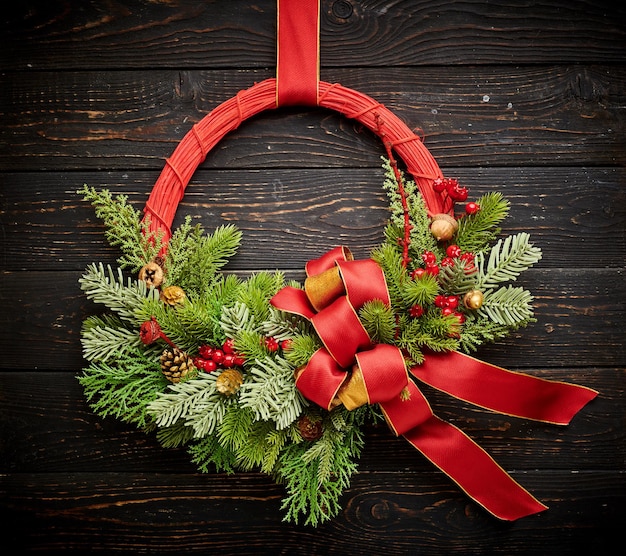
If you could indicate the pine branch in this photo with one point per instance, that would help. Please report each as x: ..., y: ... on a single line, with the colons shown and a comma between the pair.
x: 378, y: 320
x: 478, y: 230
x: 195, y: 401
x: 208, y: 451
x: 125, y: 388
x: 270, y: 392
x: 508, y: 306
x: 101, y: 342
x: 234, y: 430
x: 507, y: 259
x: 126, y: 298
x: 124, y: 228
x: 479, y: 330
x: 197, y: 258
x: 236, y: 319
x: 174, y: 436
x: 455, y: 279
x: 303, y: 346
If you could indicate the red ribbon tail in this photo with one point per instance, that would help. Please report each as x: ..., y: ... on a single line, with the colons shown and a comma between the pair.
x: 503, y: 391
x: 473, y: 470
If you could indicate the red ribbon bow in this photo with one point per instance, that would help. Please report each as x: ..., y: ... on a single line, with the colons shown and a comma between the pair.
x: 350, y: 369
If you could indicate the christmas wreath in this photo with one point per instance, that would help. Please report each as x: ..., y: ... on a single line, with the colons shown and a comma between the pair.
x: 268, y: 374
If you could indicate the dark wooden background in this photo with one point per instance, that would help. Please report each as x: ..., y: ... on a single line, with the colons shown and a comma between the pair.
x: 528, y: 98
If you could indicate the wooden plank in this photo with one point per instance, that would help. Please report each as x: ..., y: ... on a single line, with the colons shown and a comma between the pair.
x: 188, y: 34
x: 406, y: 513
x: 58, y: 433
x: 579, y: 320
x: 470, y: 116
x: 576, y: 216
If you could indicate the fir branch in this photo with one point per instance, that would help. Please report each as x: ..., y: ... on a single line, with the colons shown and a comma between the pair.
x: 390, y: 260
x: 284, y: 326
x: 478, y: 230
x: 195, y: 401
x: 378, y: 320
x: 175, y: 435
x: 208, y: 451
x: 124, y: 228
x: 236, y: 318
x: 103, y: 341
x: 270, y: 392
x: 421, y: 291
x: 480, y: 330
x: 455, y: 279
x: 123, y: 389
x: 508, y: 306
x: 126, y: 298
x: 197, y: 258
x: 234, y: 430
x: 254, y: 452
x: 507, y: 259
x: 303, y: 346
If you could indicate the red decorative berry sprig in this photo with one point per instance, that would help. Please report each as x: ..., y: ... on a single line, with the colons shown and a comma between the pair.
x: 211, y: 358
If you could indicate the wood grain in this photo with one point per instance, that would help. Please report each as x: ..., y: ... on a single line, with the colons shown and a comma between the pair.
x: 526, y: 98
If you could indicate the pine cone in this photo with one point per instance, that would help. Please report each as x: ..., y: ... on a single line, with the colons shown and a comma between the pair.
x: 176, y: 365
x: 172, y: 295
x: 310, y: 429
x: 229, y: 381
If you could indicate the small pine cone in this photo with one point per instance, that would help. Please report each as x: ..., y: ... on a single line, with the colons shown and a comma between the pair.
x: 310, y: 429
x: 172, y: 295
x: 176, y: 365
x: 229, y: 381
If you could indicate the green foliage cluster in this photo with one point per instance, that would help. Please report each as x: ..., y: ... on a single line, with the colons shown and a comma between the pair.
x: 258, y: 426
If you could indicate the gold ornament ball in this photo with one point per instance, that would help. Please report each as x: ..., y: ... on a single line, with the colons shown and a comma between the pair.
x: 443, y: 227
x: 473, y: 299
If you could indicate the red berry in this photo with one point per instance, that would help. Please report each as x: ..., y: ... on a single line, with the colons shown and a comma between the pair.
x: 228, y: 346
x: 271, y: 344
x: 460, y: 316
x: 452, y: 301
x: 205, y: 351
x: 453, y: 251
x: 439, y: 185
x: 218, y: 356
x: 456, y: 192
x: 210, y: 366
x: 447, y: 261
x: 440, y: 301
x: 286, y: 344
x: 429, y: 257
x: 229, y: 360
x: 239, y: 361
x: 418, y: 273
x: 472, y: 208
x: 447, y: 311
x: 432, y: 269
x: 416, y: 311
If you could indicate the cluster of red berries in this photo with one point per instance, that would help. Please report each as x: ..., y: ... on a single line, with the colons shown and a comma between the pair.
x: 273, y: 345
x: 447, y: 304
x: 211, y: 358
x: 455, y: 192
x: 453, y: 252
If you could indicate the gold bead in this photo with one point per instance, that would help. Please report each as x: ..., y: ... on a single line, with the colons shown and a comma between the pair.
x: 443, y: 227
x: 473, y: 299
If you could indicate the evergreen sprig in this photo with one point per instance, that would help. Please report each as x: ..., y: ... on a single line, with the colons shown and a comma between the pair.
x: 124, y: 228
x: 508, y: 258
x: 110, y: 288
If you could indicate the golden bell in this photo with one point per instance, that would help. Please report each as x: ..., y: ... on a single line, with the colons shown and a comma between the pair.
x: 323, y: 288
x: 353, y: 392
